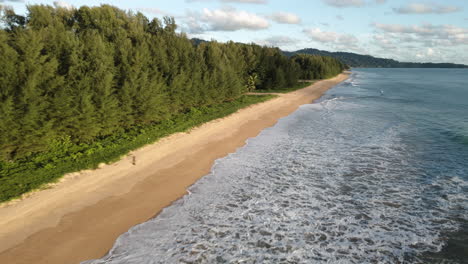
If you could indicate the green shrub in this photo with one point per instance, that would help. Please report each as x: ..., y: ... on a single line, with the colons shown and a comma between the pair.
x: 23, y: 175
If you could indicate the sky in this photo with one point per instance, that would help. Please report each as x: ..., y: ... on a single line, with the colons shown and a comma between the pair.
x: 405, y: 30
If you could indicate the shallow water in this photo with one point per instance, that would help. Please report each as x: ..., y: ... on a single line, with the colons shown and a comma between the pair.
x: 374, y: 172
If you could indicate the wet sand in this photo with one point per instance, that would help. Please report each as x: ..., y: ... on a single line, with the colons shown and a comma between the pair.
x: 80, y: 217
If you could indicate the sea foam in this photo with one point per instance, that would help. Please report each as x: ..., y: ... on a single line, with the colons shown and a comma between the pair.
x: 335, y: 182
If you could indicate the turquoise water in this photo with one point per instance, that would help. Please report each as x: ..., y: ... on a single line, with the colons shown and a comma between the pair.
x: 376, y: 171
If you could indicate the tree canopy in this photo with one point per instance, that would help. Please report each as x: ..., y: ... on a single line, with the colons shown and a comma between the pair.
x: 86, y: 73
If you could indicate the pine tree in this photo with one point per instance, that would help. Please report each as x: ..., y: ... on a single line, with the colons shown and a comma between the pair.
x: 87, y: 73
x: 100, y: 69
x: 9, y: 129
x: 37, y: 74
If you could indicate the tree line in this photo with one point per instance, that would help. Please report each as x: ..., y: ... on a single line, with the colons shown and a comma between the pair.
x: 86, y: 73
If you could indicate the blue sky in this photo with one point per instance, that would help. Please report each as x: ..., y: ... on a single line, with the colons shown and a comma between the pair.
x: 406, y: 30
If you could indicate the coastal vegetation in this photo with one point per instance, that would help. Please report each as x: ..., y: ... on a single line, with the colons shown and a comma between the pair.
x: 317, y: 67
x: 83, y: 86
x: 297, y: 86
x: 64, y: 155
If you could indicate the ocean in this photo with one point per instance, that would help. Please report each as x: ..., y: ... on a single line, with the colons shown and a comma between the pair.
x: 376, y: 171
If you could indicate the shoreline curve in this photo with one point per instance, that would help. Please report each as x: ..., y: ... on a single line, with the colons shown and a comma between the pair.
x: 81, y: 217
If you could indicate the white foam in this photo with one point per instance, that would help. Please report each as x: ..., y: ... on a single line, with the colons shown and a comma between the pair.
x: 325, y: 185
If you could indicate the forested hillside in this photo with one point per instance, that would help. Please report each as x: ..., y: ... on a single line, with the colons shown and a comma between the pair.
x: 73, y: 79
x: 366, y: 61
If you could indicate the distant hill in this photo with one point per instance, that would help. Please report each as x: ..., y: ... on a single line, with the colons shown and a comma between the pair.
x: 366, y: 61
x: 361, y: 61
x: 197, y: 41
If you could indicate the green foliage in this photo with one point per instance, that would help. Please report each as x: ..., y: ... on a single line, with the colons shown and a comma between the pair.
x: 314, y: 67
x: 295, y: 87
x: 86, y: 85
x: 252, y: 81
x: 64, y: 156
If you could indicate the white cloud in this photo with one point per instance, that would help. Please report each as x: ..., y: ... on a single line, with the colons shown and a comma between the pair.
x: 352, y: 3
x: 63, y: 4
x: 229, y: 19
x: 345, y: 3
x: 339, y: 17
x: 285, y: 18
x: 151, y: 10
x: 426, y: 8
x: 335, y: 40
x: 428, y: 33
x: 246, y: 1
x: 277, y: 41
x: 224, y: 19
x: 421, y: 43
x: 429, y: 54
x: 192, y: 24
x: 318, y: 35
x: 384, y: 41
x: 421, y: 54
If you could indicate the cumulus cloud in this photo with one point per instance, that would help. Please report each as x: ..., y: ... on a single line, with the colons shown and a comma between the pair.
x: 246, y: 1
x: 427, y: 52
x: 285, y: 18
x: 232, y: 20
x: 63, y: 4
x: 411, y: 47
x: 424, y: 29
x: 344, y: 3
x: 352, y: 3
x: 151, y: 10
x: 426, y: 8
x: 277, y: 41
x: 423, y: 54
x: 333, y: 39
x: 192, y: 24
x: 317, y: 34
x: 428, y: 34
x: 225, y: 19
x: 384, y: 41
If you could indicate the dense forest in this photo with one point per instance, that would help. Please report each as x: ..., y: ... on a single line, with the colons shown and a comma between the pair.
x: 317, y: 67
x: 366, y: 61
x: 71, y: 79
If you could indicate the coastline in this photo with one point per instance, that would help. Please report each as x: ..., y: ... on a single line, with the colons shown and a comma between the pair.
x: 80, y: 218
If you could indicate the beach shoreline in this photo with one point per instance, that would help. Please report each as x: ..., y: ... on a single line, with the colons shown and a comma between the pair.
x: 82, y: 216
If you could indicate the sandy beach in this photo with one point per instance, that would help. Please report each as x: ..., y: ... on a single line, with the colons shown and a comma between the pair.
x: 81, y: 216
